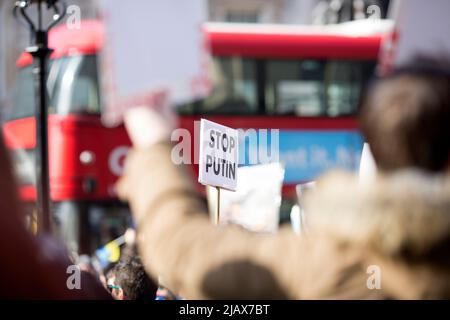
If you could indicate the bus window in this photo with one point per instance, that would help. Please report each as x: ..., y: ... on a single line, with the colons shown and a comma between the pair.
x: 295, y: 87
x: 85, y: 93
x: 234, y: 92
x: 344, y: 81
x: 77, y: 88
x: 312, y: 88
x: 23, y: 97
x: 72, y: 86
x: 23, y: 104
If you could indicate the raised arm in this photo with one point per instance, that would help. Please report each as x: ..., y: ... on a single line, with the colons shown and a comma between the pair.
x: 178, y: 242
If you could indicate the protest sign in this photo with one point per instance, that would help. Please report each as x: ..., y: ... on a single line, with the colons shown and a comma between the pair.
x: 255, y: 205
x: 154, y: 53
x: 417, y: 33
x: 218, y: 160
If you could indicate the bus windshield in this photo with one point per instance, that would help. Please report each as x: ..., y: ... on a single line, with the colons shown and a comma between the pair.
x: 72, y: 87
x: 242, y: 86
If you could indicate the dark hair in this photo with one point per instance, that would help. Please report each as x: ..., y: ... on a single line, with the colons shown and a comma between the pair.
x: 405, y: 117
x: 134, y: 281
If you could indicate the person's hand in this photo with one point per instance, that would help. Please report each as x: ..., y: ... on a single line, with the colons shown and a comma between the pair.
x: 147, y: 126
x: 130, y: 236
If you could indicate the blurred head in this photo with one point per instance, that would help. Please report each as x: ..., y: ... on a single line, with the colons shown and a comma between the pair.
x: 131, y: 282
x: 405, y: 117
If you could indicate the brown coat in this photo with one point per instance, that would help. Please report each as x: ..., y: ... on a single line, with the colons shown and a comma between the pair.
x: 400, y: 225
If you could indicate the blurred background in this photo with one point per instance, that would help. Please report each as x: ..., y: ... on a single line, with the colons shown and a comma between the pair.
x: 13, y: 37
x: 294, y: 65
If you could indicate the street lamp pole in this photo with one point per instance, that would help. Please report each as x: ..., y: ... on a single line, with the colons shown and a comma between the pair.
x: 41, y: 52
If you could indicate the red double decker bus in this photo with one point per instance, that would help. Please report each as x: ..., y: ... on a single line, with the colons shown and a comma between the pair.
x: 304, y: 81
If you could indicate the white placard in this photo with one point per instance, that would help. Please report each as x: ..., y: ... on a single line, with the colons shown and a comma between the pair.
x: 154, y: 52
x: 421, y: 29
x: 218, y: 160
x: 255, y: 205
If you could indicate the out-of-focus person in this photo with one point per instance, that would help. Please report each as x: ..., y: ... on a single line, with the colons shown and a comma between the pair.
x: 164, y: 293
x: 125, y: 247
x: 129, y: 281
x: 388, y: 239
x: 33, y: 267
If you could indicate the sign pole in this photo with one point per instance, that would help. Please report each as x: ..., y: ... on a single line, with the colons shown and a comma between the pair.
x: 218, y: 206
x: 218, y: 160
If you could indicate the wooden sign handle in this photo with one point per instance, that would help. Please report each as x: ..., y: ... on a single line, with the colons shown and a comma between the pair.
x: 218, y: 206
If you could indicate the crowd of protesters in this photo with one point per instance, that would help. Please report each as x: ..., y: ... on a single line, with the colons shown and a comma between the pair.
x: 399, y: 222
